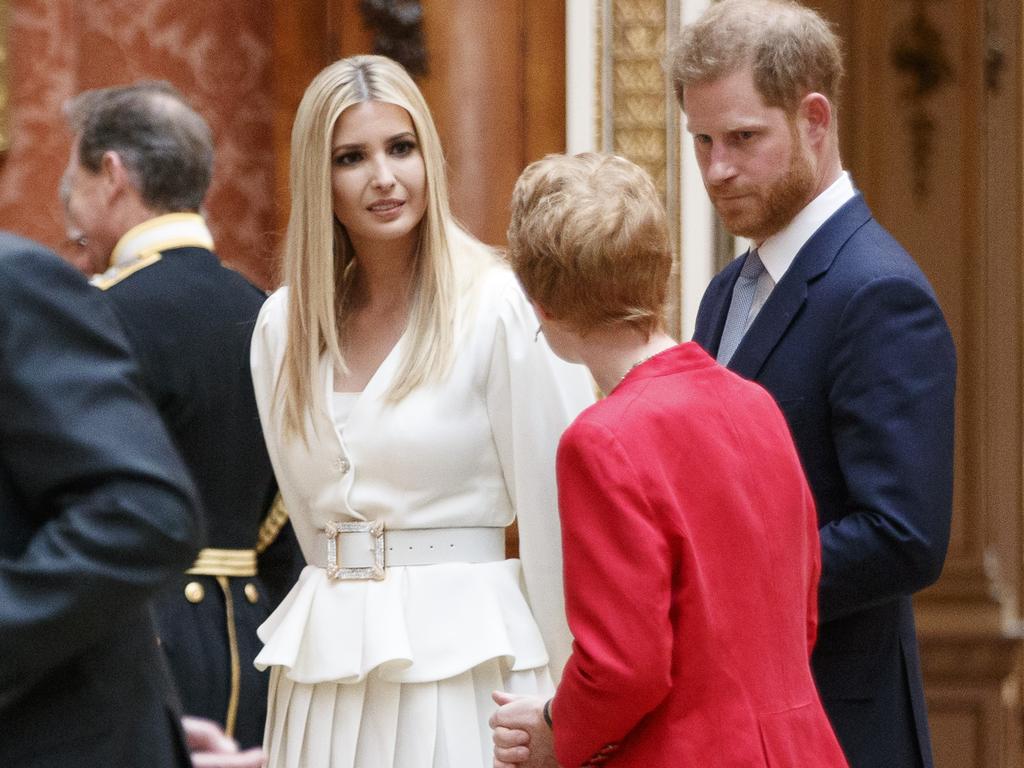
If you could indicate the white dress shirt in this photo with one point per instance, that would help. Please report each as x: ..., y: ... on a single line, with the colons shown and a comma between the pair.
x: 778, y: 251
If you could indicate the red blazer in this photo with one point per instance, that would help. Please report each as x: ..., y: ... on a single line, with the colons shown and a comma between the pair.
x: 691, y: 569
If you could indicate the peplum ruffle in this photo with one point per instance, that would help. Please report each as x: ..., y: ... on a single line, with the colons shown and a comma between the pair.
x: 421, y: 623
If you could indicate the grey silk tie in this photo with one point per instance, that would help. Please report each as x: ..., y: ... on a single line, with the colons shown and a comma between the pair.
x: 739, y: 309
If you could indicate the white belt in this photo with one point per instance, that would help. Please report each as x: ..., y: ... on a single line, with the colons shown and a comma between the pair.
x: 365, y: 550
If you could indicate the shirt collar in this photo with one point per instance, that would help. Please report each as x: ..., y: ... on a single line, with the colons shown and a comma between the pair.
x: 778, y: 251
x: 172, y: 230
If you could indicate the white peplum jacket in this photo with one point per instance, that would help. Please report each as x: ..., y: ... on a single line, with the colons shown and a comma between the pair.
x: 476, y: 449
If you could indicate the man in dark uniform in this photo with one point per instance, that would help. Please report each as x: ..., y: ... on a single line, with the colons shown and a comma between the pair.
x: 97, y: 514
x: 139, y: 169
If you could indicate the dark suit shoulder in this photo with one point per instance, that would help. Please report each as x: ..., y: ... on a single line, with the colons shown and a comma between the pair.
x: 188, y: 282
x: 727, y: 274
x: 183, y: 264
x: 108, y: 280
x: 25, y: 263
x: 51, y: 293
x: 14, y: 247
x: 875, y: 253
x: 870, y: 260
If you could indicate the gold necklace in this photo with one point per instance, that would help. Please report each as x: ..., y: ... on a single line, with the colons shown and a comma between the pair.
x: 638, y: 363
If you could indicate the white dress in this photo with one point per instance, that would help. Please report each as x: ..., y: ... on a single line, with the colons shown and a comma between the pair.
x: 398, y: 673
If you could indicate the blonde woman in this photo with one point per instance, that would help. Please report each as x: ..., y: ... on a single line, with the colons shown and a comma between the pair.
x: 411, y: 415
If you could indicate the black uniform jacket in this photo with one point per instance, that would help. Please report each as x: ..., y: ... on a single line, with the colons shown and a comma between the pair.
x: 190, y: 321
x: 96, y: 514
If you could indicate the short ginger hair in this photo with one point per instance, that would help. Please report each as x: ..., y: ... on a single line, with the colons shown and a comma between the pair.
x: 791, y: 50
x: 589, y: 241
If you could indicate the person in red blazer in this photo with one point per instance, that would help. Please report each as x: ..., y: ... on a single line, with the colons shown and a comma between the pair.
x: 690, y: 540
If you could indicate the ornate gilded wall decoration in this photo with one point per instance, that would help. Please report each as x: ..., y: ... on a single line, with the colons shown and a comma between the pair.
x: 918, y: 52
x: 638, y: 117
x: 398, y: 31
x: 635, y: 108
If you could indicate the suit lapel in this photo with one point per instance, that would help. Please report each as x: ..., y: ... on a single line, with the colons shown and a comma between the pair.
x: 788, y: 297
x: 769, y: 326
x: 711, y: 318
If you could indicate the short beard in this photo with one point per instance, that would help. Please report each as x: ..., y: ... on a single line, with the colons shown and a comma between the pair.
x: 781, y: 202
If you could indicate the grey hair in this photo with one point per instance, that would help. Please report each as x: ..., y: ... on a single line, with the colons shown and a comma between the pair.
x: 165, y: 145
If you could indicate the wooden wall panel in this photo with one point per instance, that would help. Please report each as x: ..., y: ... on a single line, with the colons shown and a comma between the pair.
x: 304, y: 43
x: 942, y: 169
x: 475, y: 91
x: 499, y: 101
x: 349, y: 34
x: 973, y: 700
x: 543, y: 86
x: 1002, y: 290
x: 495, y: 84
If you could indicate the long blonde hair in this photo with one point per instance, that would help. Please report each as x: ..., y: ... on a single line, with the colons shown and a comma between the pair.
x: 318, y: 256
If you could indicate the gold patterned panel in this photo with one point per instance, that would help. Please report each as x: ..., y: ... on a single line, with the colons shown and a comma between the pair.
x: 638, y: 84
x: 637, y: 116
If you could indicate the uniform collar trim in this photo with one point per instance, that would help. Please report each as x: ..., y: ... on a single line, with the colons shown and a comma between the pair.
x: 172, y: 230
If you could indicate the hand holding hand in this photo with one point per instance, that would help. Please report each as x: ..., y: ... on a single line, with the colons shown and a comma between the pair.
x: 210, y: 747
x: 521, y: 735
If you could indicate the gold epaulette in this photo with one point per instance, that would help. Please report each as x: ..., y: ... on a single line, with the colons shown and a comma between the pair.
x: 115, y: 274
x: 272, y: 525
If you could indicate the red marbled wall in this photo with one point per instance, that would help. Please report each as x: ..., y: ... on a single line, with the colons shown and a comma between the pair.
x: 216, y: 52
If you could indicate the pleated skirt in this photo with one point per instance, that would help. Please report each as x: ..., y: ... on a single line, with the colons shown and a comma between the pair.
x: 376, y: 723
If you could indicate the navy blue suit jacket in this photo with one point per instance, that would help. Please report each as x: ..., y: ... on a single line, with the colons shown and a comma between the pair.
x: 97, y: 513
x: 855, y: 349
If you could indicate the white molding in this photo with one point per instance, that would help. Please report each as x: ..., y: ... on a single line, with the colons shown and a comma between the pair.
x: 697, y: 236
x: 580, y: 75
x: 696, y: 217
x: 691, y: 9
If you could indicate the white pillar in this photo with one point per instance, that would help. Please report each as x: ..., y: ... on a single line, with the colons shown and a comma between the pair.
x: 696, y: 225
x: 580, y: 75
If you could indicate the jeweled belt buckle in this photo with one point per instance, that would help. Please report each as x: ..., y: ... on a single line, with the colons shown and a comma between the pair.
x: 374, y: 528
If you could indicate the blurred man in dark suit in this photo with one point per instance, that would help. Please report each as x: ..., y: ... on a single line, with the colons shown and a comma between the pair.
x: 97, y: 514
